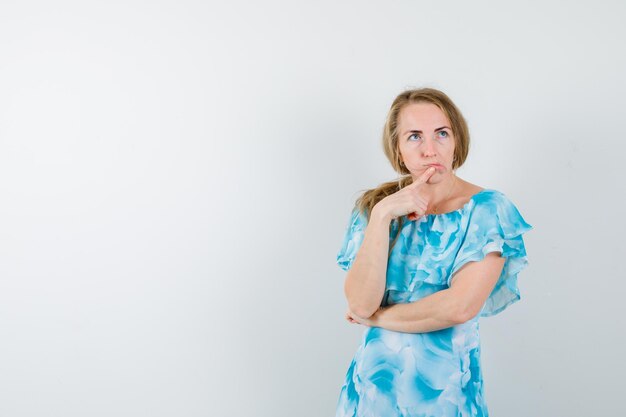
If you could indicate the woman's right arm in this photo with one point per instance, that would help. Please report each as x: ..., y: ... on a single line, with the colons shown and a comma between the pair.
x: 367, y: 278
x: 365, y: 281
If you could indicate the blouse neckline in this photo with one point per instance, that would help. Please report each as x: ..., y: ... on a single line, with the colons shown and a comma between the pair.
x: 462, y: 207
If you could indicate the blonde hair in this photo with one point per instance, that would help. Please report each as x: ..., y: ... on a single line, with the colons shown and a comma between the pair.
x: 366, y: 202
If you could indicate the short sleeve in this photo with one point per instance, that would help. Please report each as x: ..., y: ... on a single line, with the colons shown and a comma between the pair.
x: 352, y: 240
x: 495, y: 225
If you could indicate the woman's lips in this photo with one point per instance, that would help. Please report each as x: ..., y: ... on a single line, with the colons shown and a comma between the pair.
x: 438, y: 166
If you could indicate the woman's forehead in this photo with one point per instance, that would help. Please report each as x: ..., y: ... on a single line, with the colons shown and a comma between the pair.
x: 420, y: 116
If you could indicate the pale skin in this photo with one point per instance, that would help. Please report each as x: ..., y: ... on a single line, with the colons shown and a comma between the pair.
x: 425, y: 138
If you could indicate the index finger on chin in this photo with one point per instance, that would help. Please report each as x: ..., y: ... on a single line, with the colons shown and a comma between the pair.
x: 425, y: 176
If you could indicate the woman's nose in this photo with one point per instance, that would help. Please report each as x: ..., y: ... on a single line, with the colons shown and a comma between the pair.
x: 429, y: 148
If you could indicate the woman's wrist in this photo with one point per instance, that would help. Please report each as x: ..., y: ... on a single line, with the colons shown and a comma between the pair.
x: 379, y: 215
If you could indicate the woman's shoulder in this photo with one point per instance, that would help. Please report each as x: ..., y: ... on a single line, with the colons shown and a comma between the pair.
x: 494, y: 204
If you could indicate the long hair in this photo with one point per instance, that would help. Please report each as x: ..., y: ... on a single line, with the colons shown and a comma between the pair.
x: 370, y: 198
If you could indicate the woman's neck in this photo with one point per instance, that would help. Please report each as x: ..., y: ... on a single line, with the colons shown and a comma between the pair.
x: 438, y: 194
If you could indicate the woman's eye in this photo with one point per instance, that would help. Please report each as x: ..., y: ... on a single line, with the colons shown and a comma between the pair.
x: 442, y: 133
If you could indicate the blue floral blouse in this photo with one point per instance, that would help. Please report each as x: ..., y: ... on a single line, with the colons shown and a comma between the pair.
x: 435, y: 373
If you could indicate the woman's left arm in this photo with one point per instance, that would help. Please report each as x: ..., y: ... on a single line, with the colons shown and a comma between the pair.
x: 469, y: 289
x: 434, y: 312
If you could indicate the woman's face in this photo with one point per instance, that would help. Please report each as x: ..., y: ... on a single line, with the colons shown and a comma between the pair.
x: 425, y: 138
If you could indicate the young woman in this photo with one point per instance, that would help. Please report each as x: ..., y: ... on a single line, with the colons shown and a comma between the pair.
x: 426, y: 256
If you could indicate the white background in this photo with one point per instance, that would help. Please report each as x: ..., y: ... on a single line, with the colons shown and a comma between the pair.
x: 176, y: 179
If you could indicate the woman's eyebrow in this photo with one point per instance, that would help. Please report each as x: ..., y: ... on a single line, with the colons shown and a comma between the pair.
x: 419, y: 131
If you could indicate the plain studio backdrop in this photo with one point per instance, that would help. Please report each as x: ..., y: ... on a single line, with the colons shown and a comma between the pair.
x: 176, y: 178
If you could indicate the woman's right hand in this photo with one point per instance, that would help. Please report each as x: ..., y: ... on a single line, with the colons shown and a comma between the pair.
x: 409, y: 200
